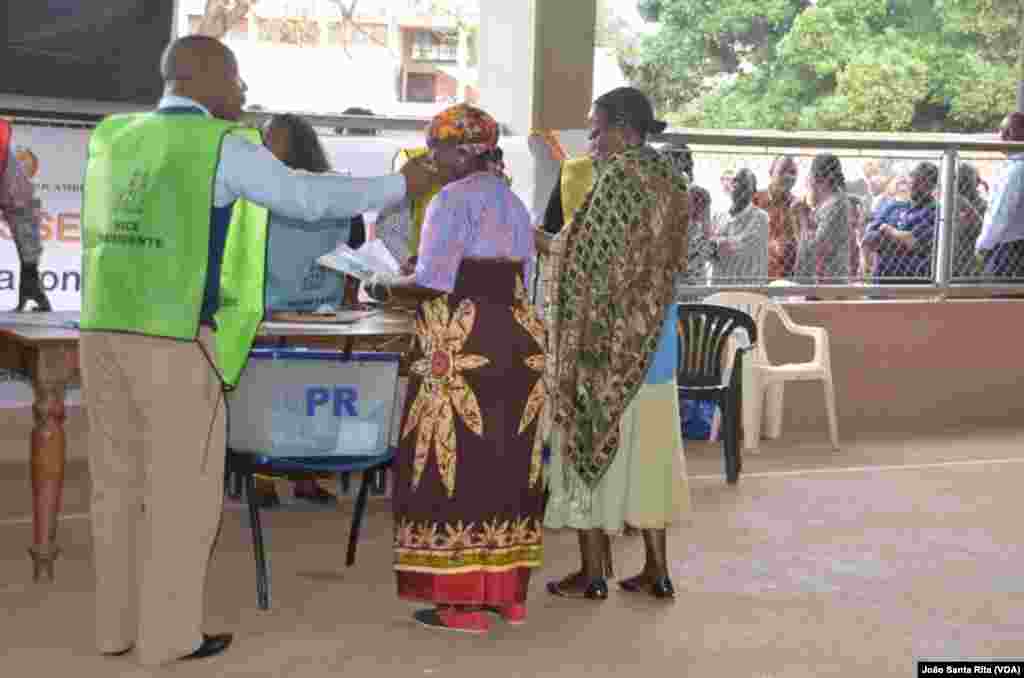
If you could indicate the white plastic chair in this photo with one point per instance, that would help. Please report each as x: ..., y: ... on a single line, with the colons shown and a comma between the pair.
x: 764, y: 392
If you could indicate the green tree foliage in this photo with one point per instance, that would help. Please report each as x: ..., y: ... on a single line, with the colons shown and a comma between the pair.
x: 612, y: 31
x: 870, y: 65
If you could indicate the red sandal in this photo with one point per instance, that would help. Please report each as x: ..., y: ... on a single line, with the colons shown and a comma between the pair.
x: 514, y: 614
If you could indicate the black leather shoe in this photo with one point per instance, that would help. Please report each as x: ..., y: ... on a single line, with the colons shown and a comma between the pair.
x: 119, y: 653
x: 31, y: 289
x: 661, y: 588
x: 211, y: 647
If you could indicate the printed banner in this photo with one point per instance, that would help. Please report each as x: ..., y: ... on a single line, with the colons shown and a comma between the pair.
x: 54, y: 158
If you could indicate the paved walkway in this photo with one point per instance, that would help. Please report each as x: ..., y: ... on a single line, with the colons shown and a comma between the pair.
x: 819, y: 563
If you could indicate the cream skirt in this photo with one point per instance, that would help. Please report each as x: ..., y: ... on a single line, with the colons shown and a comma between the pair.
x: 645, y: 486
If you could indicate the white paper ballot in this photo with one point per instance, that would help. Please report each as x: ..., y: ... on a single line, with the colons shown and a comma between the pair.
x: 372, y: 259
x: 394, y: 228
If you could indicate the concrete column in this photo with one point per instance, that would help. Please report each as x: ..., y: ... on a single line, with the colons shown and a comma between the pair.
x: 536, y: 64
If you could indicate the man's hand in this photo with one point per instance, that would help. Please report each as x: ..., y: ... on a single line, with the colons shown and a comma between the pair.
x: 419, y: 177
x: 409, y: 267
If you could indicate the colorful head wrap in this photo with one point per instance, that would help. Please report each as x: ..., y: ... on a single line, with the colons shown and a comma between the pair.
x: 472, y: 130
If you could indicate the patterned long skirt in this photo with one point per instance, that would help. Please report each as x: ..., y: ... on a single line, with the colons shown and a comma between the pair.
x: 469, y: 493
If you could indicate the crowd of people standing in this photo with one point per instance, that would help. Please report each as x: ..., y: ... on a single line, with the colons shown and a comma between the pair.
x: 880, y: 229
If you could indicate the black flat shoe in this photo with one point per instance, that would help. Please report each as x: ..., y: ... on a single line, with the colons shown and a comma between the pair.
x: 119, y: 653
x: 211, y: 647
x: 661, y: 588
x: 31, y: 289
x: 596, y: 590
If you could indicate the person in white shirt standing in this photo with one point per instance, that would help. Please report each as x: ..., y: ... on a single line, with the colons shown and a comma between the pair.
x: 154, y: 396
x: 741, y: 235
x: 18, y: 207
x: 1001, y: 243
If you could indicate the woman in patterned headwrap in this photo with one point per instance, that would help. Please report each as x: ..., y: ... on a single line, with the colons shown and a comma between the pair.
x: 617, y: 452
x: 468, y: 492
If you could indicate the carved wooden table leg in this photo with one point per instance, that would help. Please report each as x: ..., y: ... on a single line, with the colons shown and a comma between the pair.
x: 52, y: 369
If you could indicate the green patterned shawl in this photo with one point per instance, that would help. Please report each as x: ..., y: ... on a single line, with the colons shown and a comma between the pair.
x: 627, y: 243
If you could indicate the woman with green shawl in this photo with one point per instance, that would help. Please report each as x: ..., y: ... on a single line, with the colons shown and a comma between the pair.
x: 617, y: 451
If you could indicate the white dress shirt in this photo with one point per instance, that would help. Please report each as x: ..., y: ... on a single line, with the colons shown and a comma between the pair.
x: 747, y: 232
x: 250, y: 171
x: 1004, y: 218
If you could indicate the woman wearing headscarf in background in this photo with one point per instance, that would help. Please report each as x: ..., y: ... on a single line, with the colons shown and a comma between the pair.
x: 617, y: 451
x: 468, y: 490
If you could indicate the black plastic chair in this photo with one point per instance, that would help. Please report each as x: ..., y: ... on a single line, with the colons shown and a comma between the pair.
x: 704, y: 333
x: 244, y: 465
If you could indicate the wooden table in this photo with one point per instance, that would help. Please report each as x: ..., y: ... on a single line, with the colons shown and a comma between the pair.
x: 38, y: 344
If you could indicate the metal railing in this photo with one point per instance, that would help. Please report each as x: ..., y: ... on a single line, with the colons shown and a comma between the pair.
x: 949, y: 148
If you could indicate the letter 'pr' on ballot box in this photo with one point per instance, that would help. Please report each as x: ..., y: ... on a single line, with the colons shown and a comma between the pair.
x: 294, y: 402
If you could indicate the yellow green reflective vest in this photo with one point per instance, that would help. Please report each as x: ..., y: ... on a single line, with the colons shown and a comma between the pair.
x: 146, y: 229
x: 577, y: 180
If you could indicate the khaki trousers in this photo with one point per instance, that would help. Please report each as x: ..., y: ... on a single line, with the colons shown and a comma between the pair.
x: 157, y: 446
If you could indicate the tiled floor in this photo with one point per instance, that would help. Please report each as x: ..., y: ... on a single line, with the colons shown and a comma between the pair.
x: 818, y: 563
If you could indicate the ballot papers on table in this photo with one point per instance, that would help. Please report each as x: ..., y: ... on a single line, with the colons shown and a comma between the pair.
x: 294, y: 402
x: 371, y: 260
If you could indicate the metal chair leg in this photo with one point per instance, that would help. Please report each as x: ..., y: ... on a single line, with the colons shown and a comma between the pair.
x: 357, y: 518
x: 380, y: 482
x: 259, y: 549
x: 233, y: 484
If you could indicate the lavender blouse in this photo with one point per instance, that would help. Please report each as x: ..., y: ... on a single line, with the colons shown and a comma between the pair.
x: 476, y: 217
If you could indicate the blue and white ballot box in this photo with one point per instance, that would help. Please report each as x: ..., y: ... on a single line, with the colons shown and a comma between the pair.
x: 294, y: 402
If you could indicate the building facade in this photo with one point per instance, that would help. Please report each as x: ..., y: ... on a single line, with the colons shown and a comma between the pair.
x: 432, y: 54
